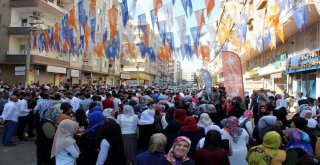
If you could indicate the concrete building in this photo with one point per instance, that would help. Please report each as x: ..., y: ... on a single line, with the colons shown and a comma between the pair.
x: 50, y: 66
x: 188, y: 76
x: 177, y: 72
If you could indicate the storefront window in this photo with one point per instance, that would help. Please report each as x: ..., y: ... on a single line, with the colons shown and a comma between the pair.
x: 306, y: 83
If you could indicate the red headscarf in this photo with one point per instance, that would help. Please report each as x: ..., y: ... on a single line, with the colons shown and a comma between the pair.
x: 190, y: 124
x: 180, y: 115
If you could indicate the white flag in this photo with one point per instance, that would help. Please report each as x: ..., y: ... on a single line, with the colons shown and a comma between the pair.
x: 133, y: 8
x: 167, y: 11
x: 212, y: 32
x: 182, y: 27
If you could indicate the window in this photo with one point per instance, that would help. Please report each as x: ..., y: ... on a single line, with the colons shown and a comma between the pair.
x: 74, y: 58
x: 99, y: 11
x: 98, y: 27
x: 105, y: 64
x: 22, y: 49
x: 96, y: 62
x: 24, y: 22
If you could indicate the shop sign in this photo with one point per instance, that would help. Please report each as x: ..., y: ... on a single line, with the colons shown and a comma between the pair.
x: 124, y: 76
x: 75, y: 73
x: 254, y: 73
x: 132, y: 82
x: 56, y: 69
x: 276, y: 76
x: 19, y: 70
x: 278, y: 61
x: 304, y: 62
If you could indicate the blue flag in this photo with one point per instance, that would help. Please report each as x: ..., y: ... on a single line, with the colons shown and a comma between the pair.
x: 142, y: 23
x: 259, y: 43
x: 300, y: 16
x: 50, y: 31
x: 71, y: 41
x: 267, y: 37
x: 195, y: 33
x: 152, y: 54
x: 93, y: 29
x: 65, y: 29
x: 110, y: 51
x: 206, y: 78
x: 173, y: 2
x: 187, y: 5
x: 143, y: 49
x: 125, y: 12
x: 82, y: 14
x: 187, y: 47
x: 116, y: 44
x: 154, y: 18
x: 170, y: 40
x: 162, y: 30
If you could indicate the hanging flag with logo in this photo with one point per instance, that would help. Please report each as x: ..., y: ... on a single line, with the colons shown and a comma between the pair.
x: 187, y: 46
x: 72, y: 20
x: 212, y: 34
x: 56, y: 36
x: 92, y: 10
x: 142, y: 21
x: 206, y: 78
x: 259, y: 42
x: 300, y: 15
x: 182, y: 27
x: 232, y: 73
x: 82, y: 14
x: 125, y: 13
x: 72, y: 44
x: 65, y: 29
x: 280, y: 32
x: 273, y: 43
x: 133, y: 8
x: 146, y: 36
x: 210, y: 5
x: 152, y: 55
x: 86, y: 37
x: 167, y: 11
x: 267, y: 37
x: 113, y: 15
x: 195, y: 33
x: 205, y: 52
x: 154, y: 19
x: 162, y: 30
x: 143, y: 49
x: 157, y: 4
x: 116, y: 44
x: 200, y: 18
x: 110, y: 51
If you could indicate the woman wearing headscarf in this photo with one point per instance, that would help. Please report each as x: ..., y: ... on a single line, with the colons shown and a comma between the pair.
x: 109, y: 113
x: 238, y: 139
x: 245, y: 121
x: 45, y: 135
x: 66, y: 111
x: 173, y: 127
x: 167, y: 118
x: 301, y: 124
x: 128, y: 123
x: 177, y: 155
x: 307, y: 114
x: 147, y: 127
x: 155, y: 152
x: 281, y: 112
x: 87, y: 143
x: 64, y: 147
x: 191, y: 130
x: 265, y: 124
x: 109, y: 138
x: 299, y: 139
x: 212, y: 150
x: 206, y: 130
x: 268, y: 152
x: 204, y: 121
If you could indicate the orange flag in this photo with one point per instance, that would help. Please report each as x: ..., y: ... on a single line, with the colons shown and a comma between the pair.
x: 72, y: 20
x: 65, y: 47
x: 146, y: 36
x: 157, y: 4
x: 56, y: 33
x: 280, y: 32
x: 47, y: 39
x: 248, y: 49
x: 200, y: 18
x: 113, y: 15
x: 210, y: 5
x: 86, y: 37
x: 205, y: 52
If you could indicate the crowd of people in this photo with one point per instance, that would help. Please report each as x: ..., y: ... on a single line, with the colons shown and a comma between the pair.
x: 85, y: 124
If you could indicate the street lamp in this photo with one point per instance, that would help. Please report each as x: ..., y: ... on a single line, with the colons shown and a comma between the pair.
x: 34, y: 26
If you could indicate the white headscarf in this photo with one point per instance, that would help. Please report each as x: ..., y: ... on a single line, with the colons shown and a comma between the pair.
x: 147, y: 117
x: 128, y: 111
x: 107, y: 113
x: 280, y: 103
x: 204, y: 120
x: 312, y: 123
x: 64, y: 136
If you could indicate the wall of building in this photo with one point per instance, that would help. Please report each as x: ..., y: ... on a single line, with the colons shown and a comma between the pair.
x: 8, y: 75
x: 5, y: 12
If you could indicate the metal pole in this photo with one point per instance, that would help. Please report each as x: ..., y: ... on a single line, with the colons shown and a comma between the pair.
x: 28, y: 60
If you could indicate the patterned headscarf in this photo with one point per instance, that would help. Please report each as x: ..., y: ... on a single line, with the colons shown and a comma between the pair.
x: 52, y: 114
x: 172, y: 157
x: 300, y: 139
x: 204, y: 120
x: 248, y: 114
x: 233, y: 128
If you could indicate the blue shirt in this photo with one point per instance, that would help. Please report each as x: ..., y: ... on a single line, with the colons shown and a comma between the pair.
x: 147, y: 158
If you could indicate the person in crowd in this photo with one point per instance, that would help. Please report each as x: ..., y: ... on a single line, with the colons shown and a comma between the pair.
x: 212, y: 150
x: 110, y: 114
x: 209, y: 128
x: 81, y: 118
x: 238, y: 138
x: 86, y: 102
x: 32, y: 103
x: 193, y: 132
x: 299, y: 139
x: 22, y: 106
x: 10, y: 117
x: 108, y: 103
x: 268, y: 152
x: 74, y: 101
x: 265, y: 125
x: 45, y: 134
x: 245, y: 121
x: 307, y: 114
x: 147, y: 127
x: 300, y: 96
x: 271, y: 105
x: 167, y: 117
x: 87, y: 142
x: 64, y: 147
x: 178, y: 153
x: 128, y: 123
x: 66, y: 111
x: 204, y: 121
x: 280, y: 112
x: 111, y: 151
x: 173, y: 127
x: 155, y: 151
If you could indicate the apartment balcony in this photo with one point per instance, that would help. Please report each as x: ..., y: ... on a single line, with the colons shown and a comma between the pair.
x: 45, y: 5
x: 22, y: 30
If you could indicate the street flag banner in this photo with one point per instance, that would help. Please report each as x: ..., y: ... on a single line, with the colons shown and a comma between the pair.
x: 182, y: 27
x: 210, y: 5
x: 300, y: 15
x: 212, y: 34
x: 167, y: 10
x: 93, y: 29
x: 187, y: 5
x: 200, y: 18
x: 280, y: 32
x: 157, y: 4
x: 170, y: 40
x: 125, y: 13
x: 82, y: 14
x: 113, y: 15
x: 173, y: 2
x: 72, y: 20
x: 154, y: 19
x: 206, y: 78
x: 162, y: 30
x: 142, y: 21
x: 232, y: 73
x: 195, y: 33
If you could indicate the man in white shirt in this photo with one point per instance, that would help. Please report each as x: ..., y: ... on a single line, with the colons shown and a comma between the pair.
x: 10, y: 116
x: 74, y: 101
x: 116, y: 102
x: 22, y: 106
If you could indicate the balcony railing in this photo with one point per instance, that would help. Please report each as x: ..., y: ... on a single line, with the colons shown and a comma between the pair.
x: 16, y: 52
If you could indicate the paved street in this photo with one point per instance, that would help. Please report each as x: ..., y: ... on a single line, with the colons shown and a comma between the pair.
x: 22, y: 154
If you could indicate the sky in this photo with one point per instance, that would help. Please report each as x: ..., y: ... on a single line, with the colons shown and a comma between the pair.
x: 144, y: 6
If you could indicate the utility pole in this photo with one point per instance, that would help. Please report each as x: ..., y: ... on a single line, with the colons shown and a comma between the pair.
x: 34, y: 26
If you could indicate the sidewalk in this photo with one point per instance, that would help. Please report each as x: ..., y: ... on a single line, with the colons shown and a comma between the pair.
x: 24, y: 153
